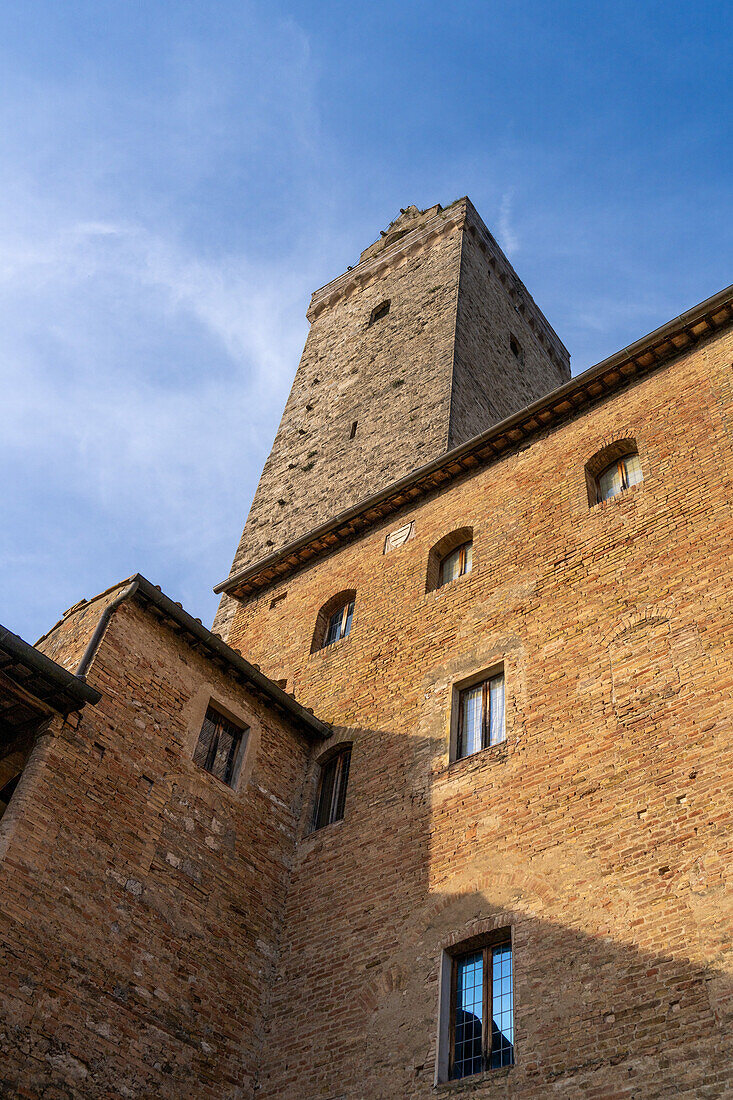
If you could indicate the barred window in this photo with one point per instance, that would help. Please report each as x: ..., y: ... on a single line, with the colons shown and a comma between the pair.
x: 481, y: 716
x: 481, y: 1010
x: 331, y: 797
x: 619, y: 475
x: 455, y: 564
x: 218, y: 748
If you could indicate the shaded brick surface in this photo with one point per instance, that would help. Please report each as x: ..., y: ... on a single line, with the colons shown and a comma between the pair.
x: 141, y: 897
x: 600, y: 831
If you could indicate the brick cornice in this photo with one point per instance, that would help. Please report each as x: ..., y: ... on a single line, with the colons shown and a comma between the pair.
x: 642, y: 357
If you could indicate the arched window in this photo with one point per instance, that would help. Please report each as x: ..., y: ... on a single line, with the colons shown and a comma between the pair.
x: 450, y: 558
x: 333, y: 623
x: 612, y: 470
x: 332, y: 782
x: 379, y: 312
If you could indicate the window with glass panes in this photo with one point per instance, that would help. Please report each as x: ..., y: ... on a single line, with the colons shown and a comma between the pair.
x: 455, y: 564
x: 619, y: 475
x: 481, y: 716
x: 339, y: 624
x: 482, y: 1011
x: 218, y: 746
x: 331, y: 796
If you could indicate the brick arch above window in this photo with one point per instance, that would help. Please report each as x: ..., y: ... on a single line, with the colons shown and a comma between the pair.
x: 344, y: 602
x: 461, y: 537
x: 618, y: 453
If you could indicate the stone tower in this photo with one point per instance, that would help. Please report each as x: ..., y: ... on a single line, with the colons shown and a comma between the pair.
x: 429, y: 340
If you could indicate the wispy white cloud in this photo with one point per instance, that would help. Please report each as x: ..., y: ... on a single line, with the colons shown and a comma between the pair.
x: 143, y: 370
x: 508, y: 238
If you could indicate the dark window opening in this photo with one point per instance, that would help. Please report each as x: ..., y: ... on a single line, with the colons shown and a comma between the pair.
x: 7, y: 793
x: 353, y: 429
x: 218, y: 746
x: 516, y: 348
x: 456, y: 564
x: 481, y: 718
x: 482, y: 1011
x: 331, y: 797
x: 379, y: 312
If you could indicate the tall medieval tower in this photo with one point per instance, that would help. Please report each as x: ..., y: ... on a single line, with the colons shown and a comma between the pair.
x: 430, y: 339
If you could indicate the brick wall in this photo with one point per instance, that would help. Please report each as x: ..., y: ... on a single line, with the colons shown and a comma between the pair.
x: 599, y: 831
x: 141, y: 897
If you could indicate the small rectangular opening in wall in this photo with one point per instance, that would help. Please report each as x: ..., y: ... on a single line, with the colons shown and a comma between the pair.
x: 99, y: 750
x: 353, y: 429
x: 277, y: 599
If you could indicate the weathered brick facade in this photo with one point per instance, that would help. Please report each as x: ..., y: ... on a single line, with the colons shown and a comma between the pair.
x: 599, y: 832
x: 141, y: 897
x: 165, y: 935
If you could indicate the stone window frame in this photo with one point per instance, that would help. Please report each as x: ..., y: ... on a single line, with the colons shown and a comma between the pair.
x: 496, y: 668
x: 342, y: 600
x: 598, y: 463
x: 442, y: 548
x: 232, y: 782
x: 451, y: 953
x: 380, y: 311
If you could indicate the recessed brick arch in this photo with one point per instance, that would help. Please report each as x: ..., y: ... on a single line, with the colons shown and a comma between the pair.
x: 339, y: 599
x: 440, y: 550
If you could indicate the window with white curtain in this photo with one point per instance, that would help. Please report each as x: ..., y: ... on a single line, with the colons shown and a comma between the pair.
x: 481, y: 718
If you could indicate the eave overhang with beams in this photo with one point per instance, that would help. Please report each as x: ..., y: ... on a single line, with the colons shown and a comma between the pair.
x: 171, y: 615
x: 640, y: 358
x: 33, y: 687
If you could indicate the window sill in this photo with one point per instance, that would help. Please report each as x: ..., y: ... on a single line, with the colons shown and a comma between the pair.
x: 315, y: 839
x: 334, y: 647
x: 625, y: 494
x: 442, y: 589
x: 476, y: 1080
x: 492, y: 754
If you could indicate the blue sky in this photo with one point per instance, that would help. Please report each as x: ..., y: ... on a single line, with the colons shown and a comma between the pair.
x: 178, y: 177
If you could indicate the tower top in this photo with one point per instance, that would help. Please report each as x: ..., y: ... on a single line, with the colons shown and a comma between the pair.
x: 428, y: 340
x: 412, y: 231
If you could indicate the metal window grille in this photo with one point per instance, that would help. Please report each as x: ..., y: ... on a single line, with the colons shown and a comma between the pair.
x: 481, y: 716
x: 482, y: 1011
x: 619, y: 475
x: 455, y: 564
x: 331, y: 797
x: 218, y: 746
x: 339, y: 624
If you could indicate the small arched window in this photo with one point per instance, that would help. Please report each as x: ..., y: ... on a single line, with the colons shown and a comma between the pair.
x: 332, y: 782
x: 333, y: 623
x: 610, y: 471
x: 450, y: 558
x: 379, y: 312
